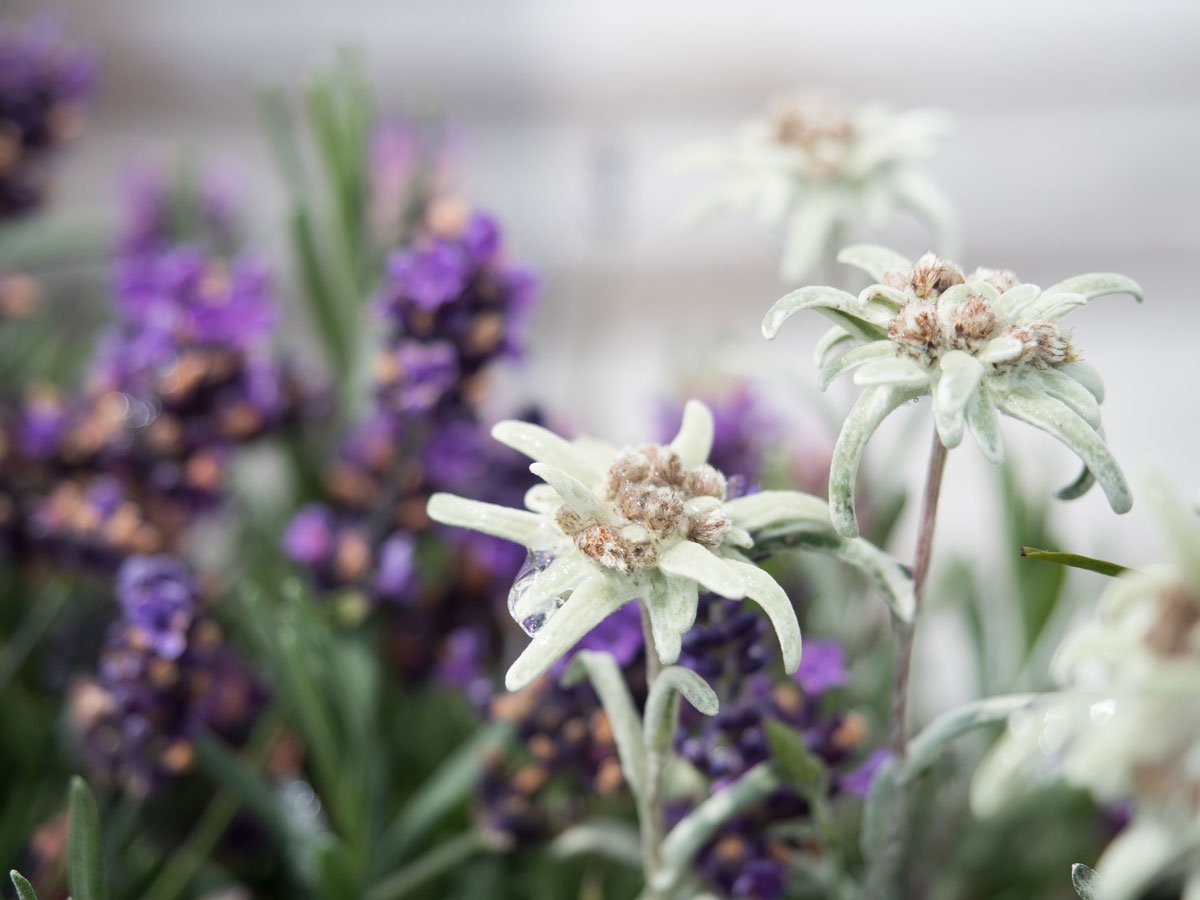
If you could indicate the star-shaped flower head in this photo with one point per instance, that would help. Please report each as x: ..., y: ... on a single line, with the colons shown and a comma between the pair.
x: 1126, y: 723
x: 650, y: 524
x: 818, y: 167
x: 976, y: 344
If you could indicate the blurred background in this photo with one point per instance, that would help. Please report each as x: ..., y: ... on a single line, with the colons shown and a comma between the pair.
x: 1073, y: 150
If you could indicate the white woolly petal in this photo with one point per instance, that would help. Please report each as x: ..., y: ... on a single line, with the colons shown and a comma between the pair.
x: 1057, y: 419
x: 871, y: 408
x: 755, y: 511
x: 985, y: 425
x: 541, y: 498
x: 960, y: 377
x: 1097, y: 284
x: 694, y: 441
x: 1000, y: 350
x: 543, y: 445
x: 1055, y: 306
x: 896, y: 372
x: 518, y: 525
x: 855, y: 356
x: 562, y: 575
x: 956, y: 294
x: 876, y: 261
x: 763, y: 590
x: 574, y: 492
x: 868, y: 323
x: 1086, y: 375
x: 688, y: 559
x: 598, y: 454
x: 883, y: 295
x: 1071, y: 392
x: 1013, y: 303
x: 590, y: 604
x: 834, y: 337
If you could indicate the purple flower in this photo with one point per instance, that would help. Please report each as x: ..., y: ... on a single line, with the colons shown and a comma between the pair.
x: 158, y: 597
x: 481, y: 238
x: 396, y: 566
x: 429, y: 277
x: 425, y: 373
x: 43, y: 421
x: 822, y: 667
x: 309, y: 537
x: 858, y: 780
x: 761, y: 879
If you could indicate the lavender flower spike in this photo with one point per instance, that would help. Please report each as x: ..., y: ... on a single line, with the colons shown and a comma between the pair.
x: 976, y: 343
x: 650, y: 524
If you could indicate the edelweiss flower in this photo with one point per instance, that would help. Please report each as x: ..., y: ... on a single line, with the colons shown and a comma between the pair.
x: 1127, y: 724
x: 818, y: 167
x: 976, y: 344
x: 651, y: 524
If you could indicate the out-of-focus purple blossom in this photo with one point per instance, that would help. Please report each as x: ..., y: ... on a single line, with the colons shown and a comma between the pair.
x: 309, y: 537
x: 859, y: 779
x: 761, y: 879
x: 463, y: 665
x: 136, y: 720
x: 424, y: 374
x: 822, y: 667
x: 165, y: 207
x: 43, y: 422
x: 396, y: 568
x: 159, y: 599
x: 431, y: 276
x: 44, y: 83
x: 620, y: 634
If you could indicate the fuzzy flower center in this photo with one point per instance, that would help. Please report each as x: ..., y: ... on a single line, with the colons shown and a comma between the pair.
x: 1172, y: 633
x: 652, y: 502
x: 922, y: 330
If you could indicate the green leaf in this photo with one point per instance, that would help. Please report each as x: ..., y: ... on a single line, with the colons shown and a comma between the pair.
x: 876, y: 261
x: 610, y: 839
x: 842, y: 308
x: 1075, y: 561
x: 659, y: 724
x: 1085, y: 882
x: 881, y: 805
x: 85, y: 861
x: 795, y: 762
x: 605, y: 675
x: 925, y: 747
x: 24, y: 888
x: 440, y: 860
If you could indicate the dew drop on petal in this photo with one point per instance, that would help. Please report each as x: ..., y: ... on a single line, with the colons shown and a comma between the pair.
x: 530, y: 613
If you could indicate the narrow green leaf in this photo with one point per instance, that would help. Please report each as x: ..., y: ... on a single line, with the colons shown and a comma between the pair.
x: 443, y: 858
x: 24, y: 888
x: 659, y: 724
x: 880, y: 807
x: 85, y: 861
x: 607, y: 838
x: 1075, y: 561
x: 924, y: 748
x: 796, y: 763
x: 1084, y: 881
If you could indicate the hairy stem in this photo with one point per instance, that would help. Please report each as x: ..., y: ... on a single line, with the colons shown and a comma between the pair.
x: 886, y: 869
x: 650, y: 803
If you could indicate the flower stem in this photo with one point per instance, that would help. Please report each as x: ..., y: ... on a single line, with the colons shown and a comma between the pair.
x: 905, y: 633
x: 650, y: 803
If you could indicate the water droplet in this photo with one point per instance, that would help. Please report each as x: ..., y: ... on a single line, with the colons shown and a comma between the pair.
x: 527, y: 610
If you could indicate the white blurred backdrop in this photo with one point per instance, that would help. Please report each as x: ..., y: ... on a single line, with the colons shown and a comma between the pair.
x: 1077, y: 129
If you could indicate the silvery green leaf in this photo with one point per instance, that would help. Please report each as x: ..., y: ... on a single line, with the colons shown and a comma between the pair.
x: 878, y: 811
x: 895, y: 372
x: 1055, y: 306
x: 798, y: 765
x: 694, y: 440
x: 1085, y: 882
x: 876, y: 261
x: 1086, y: 375
x: 1147, y: 850
x: 956, y: 294
x: 1071, y: 392
x: 1081, y: 485
x: 574, y: 492
x: 688, y: 559
x: 1191, y: 890
x: 516, y: 525
x: 855, y: 356
x: 925, y: 747
x: 589, y: 605
x: 693, y: 831
x: 667, y: 636
x: 844, y: 309
x: 1097, y: 284
x: 24, y: 888
x: 659, y: 723
x: 766, y: 592
x: 959, y: 381
x: 885, y: 574
x: 872, y: 407
x: 606, y: 678
x: 985, y: 425
x: 1001, y: 349
x: 834, y: 337
x: 883, y: 295
x: 1060, y: 421
x: 85, y: 859
x: 562, y: 575
x: 610, y: 839
x: 810, y: 229
x: 755, y: 511
x: 1014, y: 302
x: 542, y: 445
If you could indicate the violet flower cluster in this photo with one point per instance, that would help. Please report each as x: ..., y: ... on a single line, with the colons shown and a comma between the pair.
x: 45, y: 81
x: 165, y: 675
x: 450, y: 307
